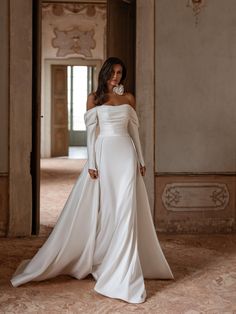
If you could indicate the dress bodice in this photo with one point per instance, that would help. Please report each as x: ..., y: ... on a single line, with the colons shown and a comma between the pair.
x: 113, y: 120
x: 120, y: 120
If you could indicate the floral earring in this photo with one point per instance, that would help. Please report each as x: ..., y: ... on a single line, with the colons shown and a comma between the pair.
x: 119, y: 89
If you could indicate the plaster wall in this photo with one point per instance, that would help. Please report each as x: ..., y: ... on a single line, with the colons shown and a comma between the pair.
x: 145, y: 87
x: 195, y: 120
x: 195, y: 87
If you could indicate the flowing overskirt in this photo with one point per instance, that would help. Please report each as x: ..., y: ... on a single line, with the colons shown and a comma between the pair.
x: 105, y: 229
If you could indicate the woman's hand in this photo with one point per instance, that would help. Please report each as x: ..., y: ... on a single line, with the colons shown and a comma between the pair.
x: 142, y: 170
x: 93, y: 173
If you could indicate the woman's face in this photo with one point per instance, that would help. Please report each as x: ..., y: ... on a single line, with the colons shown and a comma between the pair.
x: 116, y: 75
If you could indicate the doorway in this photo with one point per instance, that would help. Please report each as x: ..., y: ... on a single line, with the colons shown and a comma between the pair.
x: 68, y: 83
x: 108, y: 41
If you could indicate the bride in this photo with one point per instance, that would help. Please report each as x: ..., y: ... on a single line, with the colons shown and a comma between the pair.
x: 105, y: 228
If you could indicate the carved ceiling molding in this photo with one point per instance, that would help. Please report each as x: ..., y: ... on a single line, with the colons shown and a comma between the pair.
x: 61, y: 9
x: 74, y: 41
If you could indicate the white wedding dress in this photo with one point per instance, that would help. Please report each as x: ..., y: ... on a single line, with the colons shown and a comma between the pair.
x: 106, y: 228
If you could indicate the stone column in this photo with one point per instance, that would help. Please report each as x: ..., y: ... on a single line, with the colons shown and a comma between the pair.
x: 20, y: 131
x: 145, y: 87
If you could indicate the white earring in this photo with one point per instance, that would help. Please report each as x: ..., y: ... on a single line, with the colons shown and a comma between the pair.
x: 119, y: 89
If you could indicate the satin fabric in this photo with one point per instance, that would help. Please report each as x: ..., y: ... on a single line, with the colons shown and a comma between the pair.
x: 105, y: 228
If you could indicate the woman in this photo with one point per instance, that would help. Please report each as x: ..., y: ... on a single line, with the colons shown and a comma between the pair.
x: 105, y: 228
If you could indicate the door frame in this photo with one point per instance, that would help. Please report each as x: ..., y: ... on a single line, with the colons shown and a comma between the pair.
x: 36, y: 113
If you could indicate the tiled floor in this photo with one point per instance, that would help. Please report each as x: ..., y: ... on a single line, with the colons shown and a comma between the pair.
x: 203, y: 266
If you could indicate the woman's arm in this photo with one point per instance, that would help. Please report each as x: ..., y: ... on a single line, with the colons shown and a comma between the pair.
x: 133, y: 131
x: 91, y: 125
x: 90, y: 101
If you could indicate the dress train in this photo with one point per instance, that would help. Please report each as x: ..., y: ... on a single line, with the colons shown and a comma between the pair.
x: 105, y: 228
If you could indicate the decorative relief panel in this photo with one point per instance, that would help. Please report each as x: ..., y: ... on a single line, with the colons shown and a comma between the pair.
x: 74, y: 41
x: 195, y: 196
x: 60, y: 9
x: 73, y: 29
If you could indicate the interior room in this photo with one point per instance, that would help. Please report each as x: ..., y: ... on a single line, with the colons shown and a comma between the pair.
x: 181, y: 61
x: 68, y: 75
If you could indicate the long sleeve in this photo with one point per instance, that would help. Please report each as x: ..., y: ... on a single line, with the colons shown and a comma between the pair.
x: 90, y: 118
x: 133, y: 131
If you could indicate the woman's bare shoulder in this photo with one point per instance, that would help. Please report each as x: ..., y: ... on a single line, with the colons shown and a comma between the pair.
x: 91, y: 101
x: 131, y: 99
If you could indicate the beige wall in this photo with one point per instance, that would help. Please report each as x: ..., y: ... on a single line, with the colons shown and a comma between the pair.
x: 145, y: 88
x: 195, y: 120
x: 195, y: 87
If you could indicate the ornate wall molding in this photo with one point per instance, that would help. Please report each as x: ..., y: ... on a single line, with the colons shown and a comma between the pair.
x: 195, y: 196
x: 74, y: 41
x: 60, y: 9
x: 73, y: 29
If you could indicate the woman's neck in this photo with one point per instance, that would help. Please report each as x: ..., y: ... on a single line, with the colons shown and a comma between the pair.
x: 110, y: 88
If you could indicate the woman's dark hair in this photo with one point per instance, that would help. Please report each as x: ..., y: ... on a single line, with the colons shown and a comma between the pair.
x: 104, y: 75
